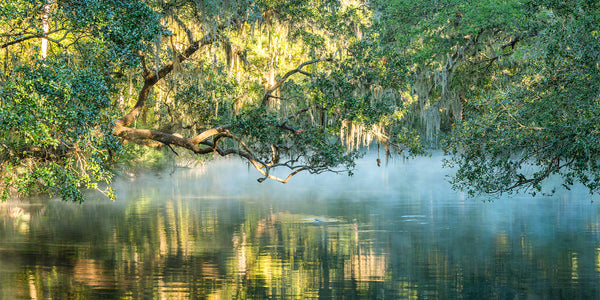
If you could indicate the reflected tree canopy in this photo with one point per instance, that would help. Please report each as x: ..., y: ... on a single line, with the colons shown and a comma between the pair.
x: 167, y: 243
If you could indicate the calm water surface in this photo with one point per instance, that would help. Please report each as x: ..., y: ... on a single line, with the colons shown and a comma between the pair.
x: 397, y: 232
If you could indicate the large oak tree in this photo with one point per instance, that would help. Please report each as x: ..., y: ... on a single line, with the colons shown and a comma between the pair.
x: 508, y: 88
x: 268, y: 81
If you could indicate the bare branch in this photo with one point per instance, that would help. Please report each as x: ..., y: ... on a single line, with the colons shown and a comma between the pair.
x: 168, y: 145
x: 517, y: 121
x: 305, y: 73
x: 268, y: 93
x: 553, y: 166
x: 294, y: 115
x: 284, y: 125
x: 274, y: 155
x: 36, y: 36
x: 157, y: 138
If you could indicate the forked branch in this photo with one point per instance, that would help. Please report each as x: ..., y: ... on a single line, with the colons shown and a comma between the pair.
x: 274, y: 87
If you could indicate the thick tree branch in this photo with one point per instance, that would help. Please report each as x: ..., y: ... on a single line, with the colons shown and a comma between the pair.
x: 210, y: 132
x: 151, y: 78
x: 195, y: 145
x: 134, y: 134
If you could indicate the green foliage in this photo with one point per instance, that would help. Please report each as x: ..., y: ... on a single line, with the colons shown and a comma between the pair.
x: 512, y: 86
x: 125, y: 27
x: 515, y: 84
x: 55, y: 130
x: 138, y: 159
x: 207, y: 100
x: 541, y: 119
x: 58, y: 113
x: 314, y: 149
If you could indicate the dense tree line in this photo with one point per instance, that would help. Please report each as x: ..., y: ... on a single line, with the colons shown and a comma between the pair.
x: 508, y: 88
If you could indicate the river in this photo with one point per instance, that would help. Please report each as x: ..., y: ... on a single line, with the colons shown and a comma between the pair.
x: 392, y: 232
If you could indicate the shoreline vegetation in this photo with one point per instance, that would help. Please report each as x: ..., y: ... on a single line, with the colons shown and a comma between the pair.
x: 510, y: 90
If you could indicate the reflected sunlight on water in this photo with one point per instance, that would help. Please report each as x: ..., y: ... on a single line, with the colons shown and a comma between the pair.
x: 386, y: 233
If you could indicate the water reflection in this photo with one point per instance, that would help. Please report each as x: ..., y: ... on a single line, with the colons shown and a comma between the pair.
x: 386, y: 233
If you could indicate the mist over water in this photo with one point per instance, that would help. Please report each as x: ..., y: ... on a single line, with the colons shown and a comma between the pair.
x: 390, y: 232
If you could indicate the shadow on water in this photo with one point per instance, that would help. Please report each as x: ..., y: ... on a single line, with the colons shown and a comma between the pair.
x: 385, y: 233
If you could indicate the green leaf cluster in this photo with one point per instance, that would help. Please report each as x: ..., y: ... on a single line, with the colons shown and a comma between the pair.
x: 55, y: 130
x: 541, y: 118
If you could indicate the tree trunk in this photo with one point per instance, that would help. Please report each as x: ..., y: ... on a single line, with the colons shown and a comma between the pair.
x: 45, y: 29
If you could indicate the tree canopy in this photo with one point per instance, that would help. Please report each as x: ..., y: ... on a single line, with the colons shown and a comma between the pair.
x: 508, y: 88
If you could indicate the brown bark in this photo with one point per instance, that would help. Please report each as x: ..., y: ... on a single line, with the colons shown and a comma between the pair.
x: 121, y: 127
x: 151, y: 78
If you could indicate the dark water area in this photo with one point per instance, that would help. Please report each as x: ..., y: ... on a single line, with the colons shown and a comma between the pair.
x: 395, y: 232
